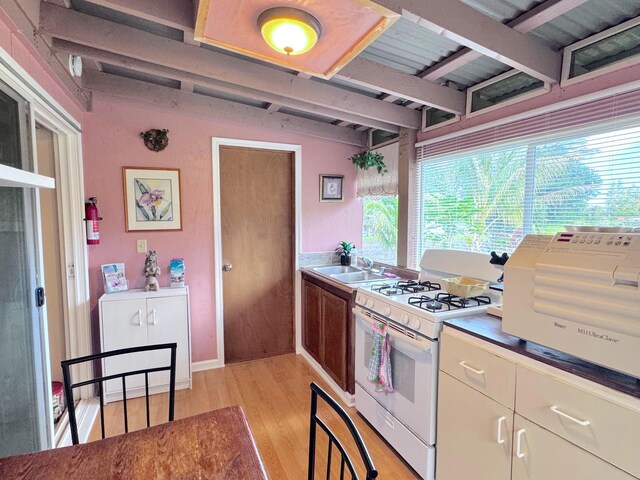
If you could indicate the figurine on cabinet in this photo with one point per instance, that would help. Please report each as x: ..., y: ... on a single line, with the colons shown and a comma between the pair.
x: 151, y: 271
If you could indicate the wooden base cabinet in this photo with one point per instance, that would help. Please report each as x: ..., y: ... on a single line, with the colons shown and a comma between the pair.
x: 502, y: 418
x: 135, y: 318
x: 327, y: 328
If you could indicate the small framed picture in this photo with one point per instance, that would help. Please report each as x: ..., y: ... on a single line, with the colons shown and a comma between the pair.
x: 331, y: 188
x: 152, y: 198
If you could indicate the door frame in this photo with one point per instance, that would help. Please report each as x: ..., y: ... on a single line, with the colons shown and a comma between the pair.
x: 45, y: 110
x: 218, y: 142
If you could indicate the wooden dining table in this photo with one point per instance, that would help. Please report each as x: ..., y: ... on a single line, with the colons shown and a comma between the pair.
x: 213, y: 445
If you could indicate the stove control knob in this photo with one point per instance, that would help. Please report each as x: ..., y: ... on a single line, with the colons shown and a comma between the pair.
x: 359, y: 299
x: 370, y: 303
x: 415, y: 323
x: 387, y: 311
x: 366, y: 302
x: 405, y: 319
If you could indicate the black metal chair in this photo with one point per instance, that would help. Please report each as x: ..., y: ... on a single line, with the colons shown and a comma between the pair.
x: 345, y: 460
x: 69, y: 386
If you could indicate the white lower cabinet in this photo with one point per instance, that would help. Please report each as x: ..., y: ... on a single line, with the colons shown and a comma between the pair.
x: 542, y: 455
x: 542, y: 424
x: 474, y: 434
x: 136, y: 318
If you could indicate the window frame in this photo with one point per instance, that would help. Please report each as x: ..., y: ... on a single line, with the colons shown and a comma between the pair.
x: 567, y: 54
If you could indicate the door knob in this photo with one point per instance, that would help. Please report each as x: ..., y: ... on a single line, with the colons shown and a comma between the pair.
x: 227, y: 267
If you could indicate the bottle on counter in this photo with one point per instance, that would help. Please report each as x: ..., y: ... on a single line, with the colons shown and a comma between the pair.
x: 354, y: 257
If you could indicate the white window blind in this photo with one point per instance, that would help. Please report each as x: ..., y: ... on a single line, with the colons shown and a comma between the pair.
x: 485, y: 191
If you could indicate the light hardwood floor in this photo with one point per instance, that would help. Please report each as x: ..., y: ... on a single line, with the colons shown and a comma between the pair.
x: 275, y: 396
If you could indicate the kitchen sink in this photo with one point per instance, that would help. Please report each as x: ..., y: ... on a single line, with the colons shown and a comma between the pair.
x: 336, y: 269
x: 357, y: 277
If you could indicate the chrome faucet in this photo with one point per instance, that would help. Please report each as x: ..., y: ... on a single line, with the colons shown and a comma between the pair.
x: 368, y: 262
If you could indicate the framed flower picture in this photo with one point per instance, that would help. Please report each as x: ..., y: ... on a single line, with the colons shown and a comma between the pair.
x: 331, y: 188
x: 152, y: 198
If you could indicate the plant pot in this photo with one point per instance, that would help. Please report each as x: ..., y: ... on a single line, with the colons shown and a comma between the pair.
x: 345, y: 259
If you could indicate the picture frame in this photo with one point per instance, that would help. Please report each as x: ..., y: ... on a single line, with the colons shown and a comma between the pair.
x: 152, y: 199
x: 331, y: 188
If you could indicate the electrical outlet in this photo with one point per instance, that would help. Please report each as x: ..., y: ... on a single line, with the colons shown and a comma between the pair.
x: 141, y: 245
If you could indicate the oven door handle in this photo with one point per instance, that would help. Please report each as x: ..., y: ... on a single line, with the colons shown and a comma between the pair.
x: 424, y: 346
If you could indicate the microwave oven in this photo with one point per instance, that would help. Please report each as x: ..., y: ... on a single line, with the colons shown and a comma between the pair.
x: 577, y: 292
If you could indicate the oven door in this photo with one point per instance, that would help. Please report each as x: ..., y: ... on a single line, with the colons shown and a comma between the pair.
x: 413, y: 371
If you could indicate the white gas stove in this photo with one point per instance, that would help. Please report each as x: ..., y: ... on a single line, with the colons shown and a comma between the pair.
x: 419, y: 305
x: 414, y: 311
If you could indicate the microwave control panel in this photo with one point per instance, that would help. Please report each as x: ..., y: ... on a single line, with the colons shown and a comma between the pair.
x: 595, y: 242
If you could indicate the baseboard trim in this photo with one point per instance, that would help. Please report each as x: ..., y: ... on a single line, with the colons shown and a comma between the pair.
x: 206, y: 365
x: 86, y: 414
x: 346, y: 397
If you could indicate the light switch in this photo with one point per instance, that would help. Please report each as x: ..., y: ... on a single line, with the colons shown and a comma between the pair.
x: 141, y: 245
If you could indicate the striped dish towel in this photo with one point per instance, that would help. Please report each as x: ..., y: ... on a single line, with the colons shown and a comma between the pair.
x: 380, y: 361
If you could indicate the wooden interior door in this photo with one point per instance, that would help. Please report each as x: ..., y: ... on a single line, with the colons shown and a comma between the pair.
x: 257, y: 220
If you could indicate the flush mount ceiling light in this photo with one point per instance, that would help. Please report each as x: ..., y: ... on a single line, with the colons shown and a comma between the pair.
x: 289, y: 30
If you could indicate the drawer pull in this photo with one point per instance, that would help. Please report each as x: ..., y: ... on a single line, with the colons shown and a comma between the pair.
x: 139, y: 318
x: 557, y: 411
x: 467, y: 367
x: 519, y: 453
x: 499, y: 439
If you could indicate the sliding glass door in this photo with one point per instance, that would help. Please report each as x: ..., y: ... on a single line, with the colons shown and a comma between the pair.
x: 25, y: 413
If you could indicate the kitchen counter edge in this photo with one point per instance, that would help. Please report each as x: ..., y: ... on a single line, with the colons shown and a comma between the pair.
x: 489, y: 328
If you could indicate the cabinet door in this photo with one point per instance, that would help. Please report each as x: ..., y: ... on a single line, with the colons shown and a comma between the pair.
x: 167, y: 323
x: 311, y: 320
x: 474, y: 434
x: 124, y: 325
x: 546, y: 456
x: 335, y: 312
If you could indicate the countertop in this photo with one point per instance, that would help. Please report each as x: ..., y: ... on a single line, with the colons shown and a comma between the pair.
x: 346, y: 287
x: 213, y: 445
x: 489, y: 328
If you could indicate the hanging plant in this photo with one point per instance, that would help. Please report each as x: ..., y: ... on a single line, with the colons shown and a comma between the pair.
x: 365, y: 160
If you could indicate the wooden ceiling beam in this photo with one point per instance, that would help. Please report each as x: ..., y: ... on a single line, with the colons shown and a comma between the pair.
x: 537, y: 16
x: 183, y: 102
x: 176, y: 14
x: 192, y: 79
x: 463, y: 24
x: 377, y: 76
x: 115, y: 38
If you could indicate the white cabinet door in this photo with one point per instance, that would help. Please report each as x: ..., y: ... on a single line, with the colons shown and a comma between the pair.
x: 546, y: 456
x: 167, y: 323
x: 123, y: 326
x: 474, y: 434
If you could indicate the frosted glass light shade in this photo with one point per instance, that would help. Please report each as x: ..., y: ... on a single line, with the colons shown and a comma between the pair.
x: 288, y: 30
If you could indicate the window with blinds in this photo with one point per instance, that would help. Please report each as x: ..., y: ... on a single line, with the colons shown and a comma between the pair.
x: 490, y: 197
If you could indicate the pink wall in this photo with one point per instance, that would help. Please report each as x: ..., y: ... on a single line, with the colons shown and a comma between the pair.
x: 557, y: 94
x: 112, y: 140
x: 14, y: 42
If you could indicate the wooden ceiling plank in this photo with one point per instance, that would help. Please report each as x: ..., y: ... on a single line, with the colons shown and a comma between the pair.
x: 274, y: 107
x: 537, y: 16
x: 465, y: 25
x: 172, y: 13
x: 190, y: 78
x: 94, y: 32
x: 180, y: 101
x: 375, y: 75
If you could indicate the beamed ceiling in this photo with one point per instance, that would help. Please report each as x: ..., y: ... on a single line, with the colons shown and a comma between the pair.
x: 145, y: 49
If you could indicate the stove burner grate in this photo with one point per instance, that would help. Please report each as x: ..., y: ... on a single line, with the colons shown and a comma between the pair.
x: 429, y: 304
x: 460, y: 302
x: 387, y: 289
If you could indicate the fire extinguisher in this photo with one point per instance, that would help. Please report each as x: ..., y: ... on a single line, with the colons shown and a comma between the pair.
x: 92, y: 218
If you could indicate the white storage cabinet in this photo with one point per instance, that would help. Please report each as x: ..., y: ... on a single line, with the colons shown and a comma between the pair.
x: 503, y: 416
x: 135, y: 318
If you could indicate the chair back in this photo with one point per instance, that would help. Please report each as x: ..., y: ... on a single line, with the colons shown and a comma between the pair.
x: 69, y: 385
x: 346, y: 464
